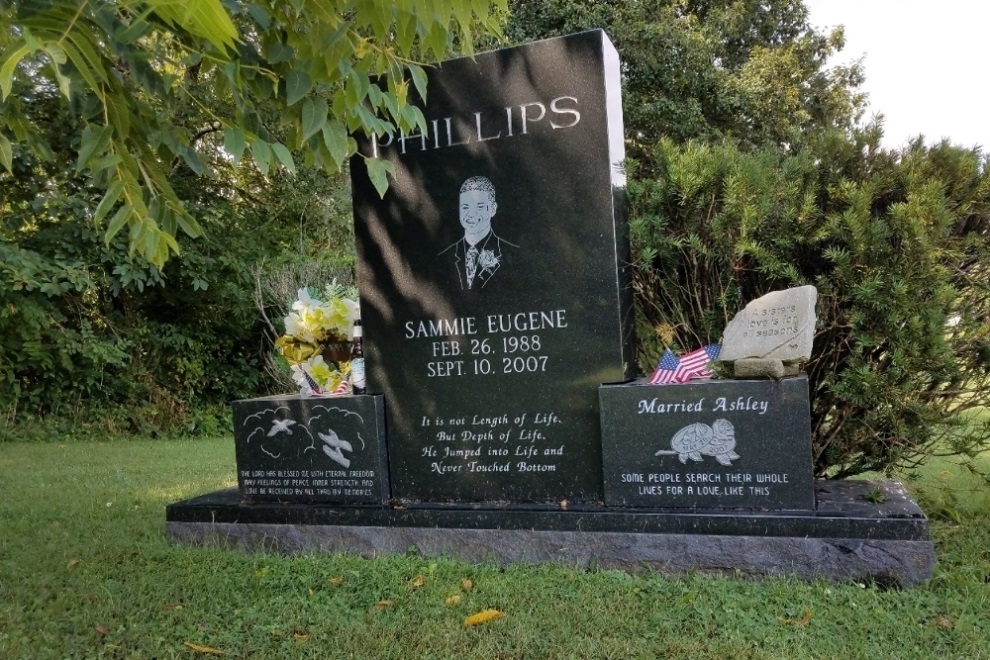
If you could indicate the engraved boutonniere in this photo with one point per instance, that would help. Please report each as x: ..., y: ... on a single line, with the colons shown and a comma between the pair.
x: 487, y: 260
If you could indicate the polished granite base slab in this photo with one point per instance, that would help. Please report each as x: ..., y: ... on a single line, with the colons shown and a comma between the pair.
x: 850, y: 535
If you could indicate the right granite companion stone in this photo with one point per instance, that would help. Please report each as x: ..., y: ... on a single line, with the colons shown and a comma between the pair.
x: 716, y: 444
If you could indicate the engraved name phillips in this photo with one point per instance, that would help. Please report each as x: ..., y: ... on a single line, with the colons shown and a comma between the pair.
x: 497, y: 124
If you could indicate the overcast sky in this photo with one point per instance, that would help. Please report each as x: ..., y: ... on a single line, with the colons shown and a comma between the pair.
x: 925, y: 64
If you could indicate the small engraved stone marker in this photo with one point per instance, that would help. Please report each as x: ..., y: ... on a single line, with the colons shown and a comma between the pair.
x: 777, y: 326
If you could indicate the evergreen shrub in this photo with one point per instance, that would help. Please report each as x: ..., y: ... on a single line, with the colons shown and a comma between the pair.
x: 895, y: 242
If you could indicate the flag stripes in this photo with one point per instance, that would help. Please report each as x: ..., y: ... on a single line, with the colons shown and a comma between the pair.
x: 673, y: 369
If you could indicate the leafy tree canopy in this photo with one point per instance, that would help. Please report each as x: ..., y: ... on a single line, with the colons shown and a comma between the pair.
x: 296, y: 75
x: 752, y: 71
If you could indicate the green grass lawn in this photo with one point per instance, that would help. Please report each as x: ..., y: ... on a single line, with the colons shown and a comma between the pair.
x: 86, y: 571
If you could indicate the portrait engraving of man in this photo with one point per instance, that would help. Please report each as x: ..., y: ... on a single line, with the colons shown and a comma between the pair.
x: 479, y: 254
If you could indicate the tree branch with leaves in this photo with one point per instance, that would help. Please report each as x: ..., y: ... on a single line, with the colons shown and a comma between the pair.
x: 299, y: 77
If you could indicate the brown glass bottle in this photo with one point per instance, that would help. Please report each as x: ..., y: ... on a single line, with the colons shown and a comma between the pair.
x: 358, y: 383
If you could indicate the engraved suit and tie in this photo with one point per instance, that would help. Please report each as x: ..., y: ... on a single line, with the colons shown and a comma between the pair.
x: 480, y: 253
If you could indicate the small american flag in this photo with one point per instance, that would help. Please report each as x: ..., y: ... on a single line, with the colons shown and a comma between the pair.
x: 312, y: 383
x: 666, y: 369
x: 343, y: 388
x: 688, y: 367
x: 695, y: 363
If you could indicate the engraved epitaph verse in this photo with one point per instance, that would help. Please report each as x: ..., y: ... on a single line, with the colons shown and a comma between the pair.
x: 493, y: 275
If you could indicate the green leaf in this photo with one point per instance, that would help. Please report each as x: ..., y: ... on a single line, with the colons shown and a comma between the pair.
x: 6, y: 153
x: 87, y: 55
x: 64, y: 83
x: 405, y: 31
x: 192, y: 159
x: 392, y: 104
x: 121, y: 218
x: 95, y: 141
x: 335, y: 137
x: 481, y: 8
x: 157, y: 247
x: 414, y: 116
x: 419, y: 79
x: 56, y: 52
x: 297, y: 85
x: 361, y: 84
x: 7, y: 70
x: 314, y: 116
x: 377, y: 171
x: 119, y: 115
x: 260, y: 16
x: 109, y: 199
x: 464, y: 15
x: 186, y: 222
x: 279, y: 52
x: 283, y: 156
x: 375, y: 95
x: 151, y: 239
x: 206, y: 19
x: 436, y: 40
x: 233, y: 143
x: 338, y: 34
x: 262, y: 154
x: 137, y: 28
x: 168, y: 222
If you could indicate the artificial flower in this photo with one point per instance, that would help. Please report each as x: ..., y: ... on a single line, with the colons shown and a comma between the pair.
x: 323, y: 374
x: 314, y: 321
x: 487, y: 260
x: 294, y: 350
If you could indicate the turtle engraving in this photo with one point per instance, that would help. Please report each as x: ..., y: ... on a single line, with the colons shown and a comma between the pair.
x: 697, y: 440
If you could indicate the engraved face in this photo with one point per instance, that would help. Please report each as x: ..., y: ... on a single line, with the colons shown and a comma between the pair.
x: 477, y: 209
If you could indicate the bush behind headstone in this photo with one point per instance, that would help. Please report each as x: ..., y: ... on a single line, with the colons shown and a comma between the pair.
x: 896, y: 244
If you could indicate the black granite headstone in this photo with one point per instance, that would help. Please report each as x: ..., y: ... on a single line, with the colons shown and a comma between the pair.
x: 718, y: 444
x: 493, y: 275
x: 311, y: 449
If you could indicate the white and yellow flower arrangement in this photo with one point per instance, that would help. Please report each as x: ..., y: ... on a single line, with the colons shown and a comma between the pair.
x: 318, y: 334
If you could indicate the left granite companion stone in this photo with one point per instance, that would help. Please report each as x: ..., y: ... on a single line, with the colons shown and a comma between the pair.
x: 311, y: 449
